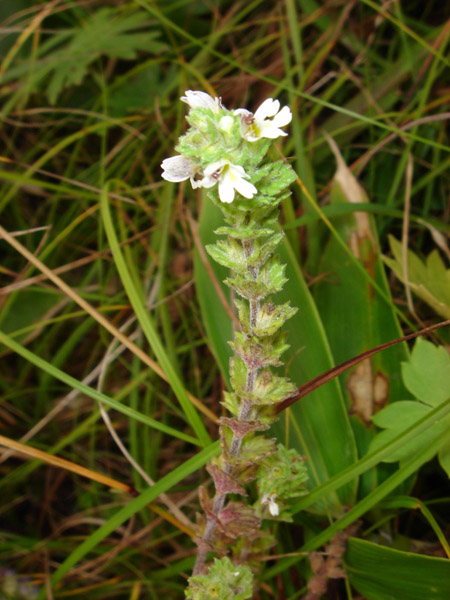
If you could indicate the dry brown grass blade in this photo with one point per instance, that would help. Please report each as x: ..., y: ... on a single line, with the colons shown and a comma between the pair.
x: 65, y: 464
x: 405, y: 232
x: 317, y: 382
x: 62, y: 463
x: 98, y: 317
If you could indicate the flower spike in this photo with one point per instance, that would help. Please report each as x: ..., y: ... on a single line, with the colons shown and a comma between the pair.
x: 218, y: 153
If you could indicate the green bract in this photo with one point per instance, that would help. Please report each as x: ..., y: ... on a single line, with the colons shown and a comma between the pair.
x: 224, y: 581
x: 280, y: 478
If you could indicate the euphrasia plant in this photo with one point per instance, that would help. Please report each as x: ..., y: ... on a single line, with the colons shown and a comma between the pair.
x: 224, y: 151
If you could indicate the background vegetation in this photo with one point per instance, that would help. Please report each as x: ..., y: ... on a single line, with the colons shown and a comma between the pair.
x: 113, y: 336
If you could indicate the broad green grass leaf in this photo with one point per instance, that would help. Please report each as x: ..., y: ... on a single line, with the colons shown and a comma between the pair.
x: 356, y: 317
x: 429, y: 280
x: 318, y: 426
x: 148, y: 327
x: 427, y: 376
x: 380, y: 573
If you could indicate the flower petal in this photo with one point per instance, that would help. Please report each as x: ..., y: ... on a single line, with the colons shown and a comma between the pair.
x: 197, y: 183
x: 274, y: 509
x: 215, y: 166
x: 226, y: 191
x: 243, y: 111
x: 207, y: 182
x: 237, y: 171
x: 284, y: 117
x: 245, y: 188
x: 268, y: 130
x: 177, y: 168
x: 226, y: 123
x: 268, y: 108
x: 200, y: 100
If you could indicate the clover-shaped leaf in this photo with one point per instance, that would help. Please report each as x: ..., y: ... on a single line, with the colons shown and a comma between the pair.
x: 428, y: 279
x: 427, y: 376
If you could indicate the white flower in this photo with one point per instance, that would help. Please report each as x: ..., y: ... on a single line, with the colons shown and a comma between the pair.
x: 226, y: 123
x: 274, y: 508
x: 230, y: 178
x: 266, y: 121
x: 201, y: 100
x: 179, y: 168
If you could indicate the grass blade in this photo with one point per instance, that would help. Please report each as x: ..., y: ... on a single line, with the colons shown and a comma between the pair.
x: 381, y: 573
x: 94, y: 394
x: 148, y: 326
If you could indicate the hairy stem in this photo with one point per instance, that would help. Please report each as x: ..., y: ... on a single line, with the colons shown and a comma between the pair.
x: 236, y: 442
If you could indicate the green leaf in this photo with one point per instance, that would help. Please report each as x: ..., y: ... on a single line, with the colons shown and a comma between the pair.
x: 106, y: 32
x: 427, y: 374
x: 228, y: 253
x: 429, y: 280
x: 356, y: 316
x: 380, y: 573
x: 280, y: 478
x: 274, y: 177
x: 400, y: 413
x: 404, y: 418
x: 270, y: 280
x: 262, y: 253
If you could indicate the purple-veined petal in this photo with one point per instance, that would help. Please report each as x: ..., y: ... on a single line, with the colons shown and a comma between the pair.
x: 215, y: 167
x: 177, y: 168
